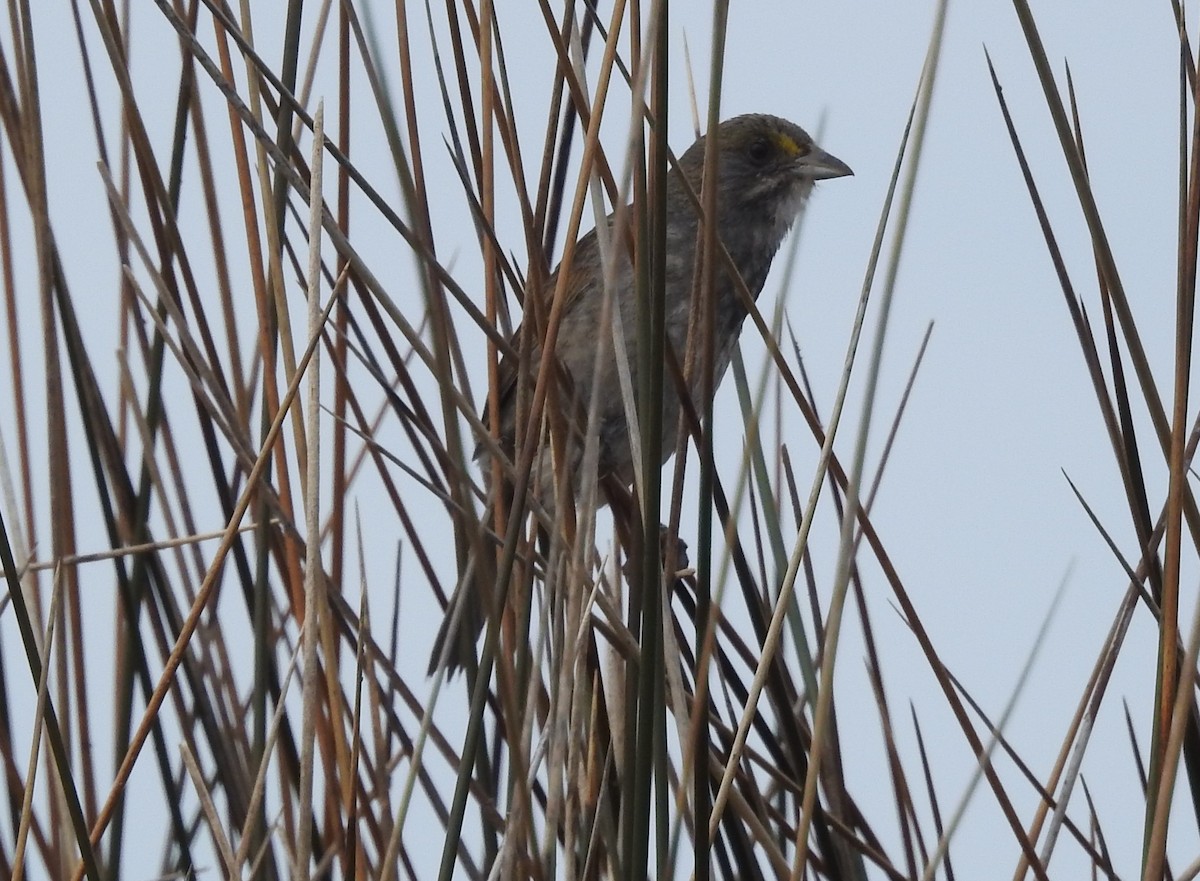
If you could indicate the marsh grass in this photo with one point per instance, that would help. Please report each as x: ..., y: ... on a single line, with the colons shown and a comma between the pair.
x: 277, y: 456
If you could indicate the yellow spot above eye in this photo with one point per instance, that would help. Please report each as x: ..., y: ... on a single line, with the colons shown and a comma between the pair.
x: 788, y: 145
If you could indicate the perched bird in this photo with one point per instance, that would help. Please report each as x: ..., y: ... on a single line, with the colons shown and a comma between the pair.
x: 766, y: 168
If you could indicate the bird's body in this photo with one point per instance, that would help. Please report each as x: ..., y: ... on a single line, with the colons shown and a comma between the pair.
x: 765, y: 172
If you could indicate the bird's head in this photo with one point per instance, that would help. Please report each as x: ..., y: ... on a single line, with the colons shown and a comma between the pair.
x: 766, y: 168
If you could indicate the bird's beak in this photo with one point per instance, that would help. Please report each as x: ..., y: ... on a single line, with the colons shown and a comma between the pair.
x: 820, y: 165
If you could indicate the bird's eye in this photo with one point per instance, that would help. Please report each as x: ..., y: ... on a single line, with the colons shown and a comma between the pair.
x: 759, y: 151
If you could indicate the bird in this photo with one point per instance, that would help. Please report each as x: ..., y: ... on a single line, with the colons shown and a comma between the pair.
x: 765, y: 172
